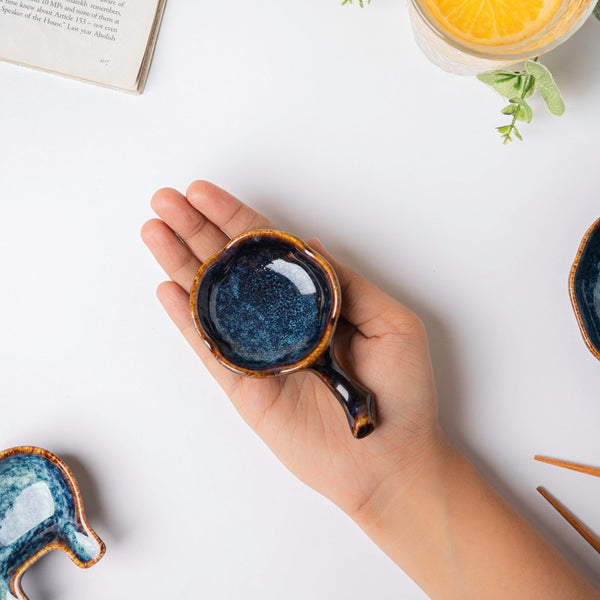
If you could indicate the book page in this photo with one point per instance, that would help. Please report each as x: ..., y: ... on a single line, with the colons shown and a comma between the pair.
x: 99, y: 40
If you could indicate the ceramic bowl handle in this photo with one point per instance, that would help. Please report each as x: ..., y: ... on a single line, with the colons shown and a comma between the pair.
x: 356, y: 400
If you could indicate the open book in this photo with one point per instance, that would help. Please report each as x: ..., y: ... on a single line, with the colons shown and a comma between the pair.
x: 109, y: 42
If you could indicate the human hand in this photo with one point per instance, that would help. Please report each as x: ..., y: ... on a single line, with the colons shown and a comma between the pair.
x: 379, y: 342
x: 405, y: 484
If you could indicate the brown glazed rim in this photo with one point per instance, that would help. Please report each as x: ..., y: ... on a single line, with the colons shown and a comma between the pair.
x: 72, y: 483
x: 582, y: 245
x: 334, y: 312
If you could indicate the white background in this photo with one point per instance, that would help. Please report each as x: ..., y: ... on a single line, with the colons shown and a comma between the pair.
x: 329, y: 120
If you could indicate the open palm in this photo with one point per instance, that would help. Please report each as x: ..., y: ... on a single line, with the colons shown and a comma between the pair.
x: 379, y: 342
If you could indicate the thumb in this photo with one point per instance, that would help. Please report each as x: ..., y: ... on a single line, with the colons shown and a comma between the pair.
x: 372, y: 311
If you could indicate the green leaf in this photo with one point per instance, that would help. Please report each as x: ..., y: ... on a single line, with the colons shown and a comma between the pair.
x: 548, y: 88
x: 517, y: 134
x: 511, y: 109
x: 529, y: 86
x: 597, y: 11
x: 522, y: 110
x: 504, y: 129
x: 507, y: 83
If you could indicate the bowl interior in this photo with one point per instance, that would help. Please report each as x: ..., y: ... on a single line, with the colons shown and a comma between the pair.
x: 265, y: 304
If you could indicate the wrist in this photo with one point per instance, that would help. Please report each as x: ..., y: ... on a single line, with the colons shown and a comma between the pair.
x: 409, y: 515
x: 413, y: 486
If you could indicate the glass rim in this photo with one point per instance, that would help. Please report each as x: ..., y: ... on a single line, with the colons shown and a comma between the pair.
x: 510, y: 52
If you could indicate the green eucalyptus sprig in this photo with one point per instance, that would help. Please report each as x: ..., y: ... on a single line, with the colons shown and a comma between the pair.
x: 517, y: 86
x: 361, y: 2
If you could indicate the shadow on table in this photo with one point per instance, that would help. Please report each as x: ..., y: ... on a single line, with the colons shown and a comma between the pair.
x: 574, y: 64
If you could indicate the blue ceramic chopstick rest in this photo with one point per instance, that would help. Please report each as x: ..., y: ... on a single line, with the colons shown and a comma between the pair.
x: 40, y: 510
x: 584, y: 288
x: 266, y: 305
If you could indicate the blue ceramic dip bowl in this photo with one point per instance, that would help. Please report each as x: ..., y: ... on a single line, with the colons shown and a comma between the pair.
x: 267, y: 305
x: 584, y: 288
x: 40, y: 510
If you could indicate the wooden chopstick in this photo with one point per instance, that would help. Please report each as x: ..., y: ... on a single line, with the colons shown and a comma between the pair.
x: 569, y: 465
x: 581, y: 529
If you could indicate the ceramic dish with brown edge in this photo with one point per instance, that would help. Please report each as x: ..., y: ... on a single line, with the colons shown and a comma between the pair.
x: 266, y: 305
x: 584, y: 288
x: 40, y: 510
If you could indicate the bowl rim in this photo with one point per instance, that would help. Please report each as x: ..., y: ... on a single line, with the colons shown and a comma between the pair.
x: 573, y: 294
x: 334, y: 312
x: 58, y: 544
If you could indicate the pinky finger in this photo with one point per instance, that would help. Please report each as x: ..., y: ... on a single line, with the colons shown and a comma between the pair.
x: 176, y: 303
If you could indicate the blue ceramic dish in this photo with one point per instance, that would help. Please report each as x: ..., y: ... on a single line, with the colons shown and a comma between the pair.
x: 40, y: 511
x: 267, y: 305
x: 584, y: 288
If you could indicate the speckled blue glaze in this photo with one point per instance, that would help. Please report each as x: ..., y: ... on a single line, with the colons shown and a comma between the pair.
x: 586, y: 287
x: 38, y: 508
x: 265, y: 304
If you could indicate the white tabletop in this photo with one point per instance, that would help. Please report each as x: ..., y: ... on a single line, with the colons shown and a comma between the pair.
x: 328, y: 119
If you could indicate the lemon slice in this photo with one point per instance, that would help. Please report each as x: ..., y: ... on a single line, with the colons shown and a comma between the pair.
x: 492, y: 22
